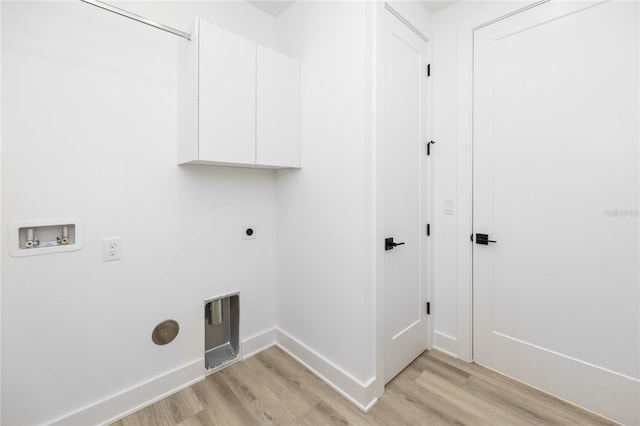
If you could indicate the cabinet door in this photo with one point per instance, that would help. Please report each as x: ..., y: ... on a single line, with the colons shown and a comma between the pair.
x: 227, y: 108
x: 278, y: 106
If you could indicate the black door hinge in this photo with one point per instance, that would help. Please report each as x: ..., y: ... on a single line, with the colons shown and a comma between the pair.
x: 428, y: 70
x: 429, y: 147
x: 428, y: 229
x: 428, y: 308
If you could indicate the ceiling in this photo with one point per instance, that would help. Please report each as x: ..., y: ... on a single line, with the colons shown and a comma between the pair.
x: 275, y: 7
x: 434, y: 5
x: 271, y: 7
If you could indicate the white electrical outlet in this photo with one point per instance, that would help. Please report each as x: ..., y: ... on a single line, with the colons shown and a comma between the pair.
x: 111, y: 249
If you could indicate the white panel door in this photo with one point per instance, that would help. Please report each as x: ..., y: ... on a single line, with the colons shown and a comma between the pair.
x: 556, y: 185
x: 278, y: 109
x: 405, y: 95
x: 227, y: 97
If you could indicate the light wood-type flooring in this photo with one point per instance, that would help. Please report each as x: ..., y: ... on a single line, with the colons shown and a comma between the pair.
x: 273, y: 389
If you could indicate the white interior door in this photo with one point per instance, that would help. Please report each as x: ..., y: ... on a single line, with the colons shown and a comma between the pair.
x: 556, y: 185
x: 405, y: 57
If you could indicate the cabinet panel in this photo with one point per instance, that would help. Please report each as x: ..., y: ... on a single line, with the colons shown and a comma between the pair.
x: 278, y: 109
x: 238, y: 102
x: 227, y: 95
x: 188, y: 96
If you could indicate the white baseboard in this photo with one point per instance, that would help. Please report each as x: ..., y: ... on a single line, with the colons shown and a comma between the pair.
x: 444, y: 343
x: 130, y: 400
x: 110, y: 409
x: 135, y: 398
x: 258, y: 343
x: 362, y: 395
x: 604, y: 391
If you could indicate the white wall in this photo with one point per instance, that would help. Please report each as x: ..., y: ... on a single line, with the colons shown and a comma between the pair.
x: 416, y: 14
x: 451, y: 126
x: 0, y: 221
x: 325, y: 210
x: 328, y: 232
x: 89, y: 130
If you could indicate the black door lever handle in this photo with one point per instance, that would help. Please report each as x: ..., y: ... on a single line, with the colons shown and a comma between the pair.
x: 389, y: 244
x: 484, y: 239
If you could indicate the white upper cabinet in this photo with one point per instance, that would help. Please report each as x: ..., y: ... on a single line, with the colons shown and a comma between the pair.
x: 238, y: 102
x: 278, y: 106
x: 227, y: 96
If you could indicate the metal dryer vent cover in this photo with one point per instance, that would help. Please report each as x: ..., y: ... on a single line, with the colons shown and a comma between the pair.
x: 165, y: 332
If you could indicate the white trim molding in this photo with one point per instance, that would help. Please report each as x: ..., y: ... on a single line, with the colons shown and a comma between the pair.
x: 258, y: 343
x: 121, y: 404
x: 362, y: 395
x: 446, y: 344
x: 128, y: 401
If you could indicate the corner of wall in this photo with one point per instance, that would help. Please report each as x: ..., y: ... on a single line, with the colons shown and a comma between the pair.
x: 362, y: 394
x: 329, y: 199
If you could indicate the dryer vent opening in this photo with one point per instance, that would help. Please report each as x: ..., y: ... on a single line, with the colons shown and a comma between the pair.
x: 221, y: 331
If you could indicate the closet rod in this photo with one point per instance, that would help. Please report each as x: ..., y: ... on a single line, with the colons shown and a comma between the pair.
x: 138, y: 18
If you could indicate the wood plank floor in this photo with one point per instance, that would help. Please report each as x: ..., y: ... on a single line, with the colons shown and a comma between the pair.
x: 273, y: 389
